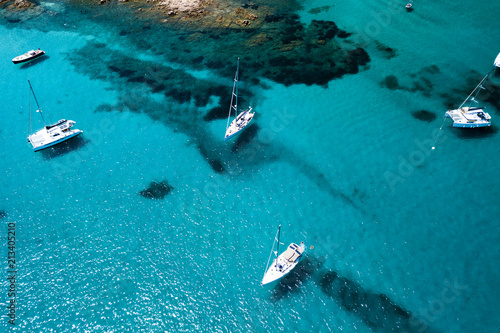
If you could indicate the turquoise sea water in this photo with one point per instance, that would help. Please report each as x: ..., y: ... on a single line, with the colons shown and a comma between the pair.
x: 404, y: 238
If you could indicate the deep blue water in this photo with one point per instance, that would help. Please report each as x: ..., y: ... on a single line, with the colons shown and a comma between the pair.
x: 400, y: 238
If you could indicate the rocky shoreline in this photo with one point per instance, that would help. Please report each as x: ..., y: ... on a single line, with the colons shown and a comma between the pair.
x: 271, y: 39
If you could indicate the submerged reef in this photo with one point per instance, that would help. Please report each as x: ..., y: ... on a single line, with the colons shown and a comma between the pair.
x: 15, y: 11
x: 424, y: 115
x: 421, y: 81
x: 490, y: 94
x: 388, y: 52
x: 376, y: 310
x: 270, y: 39
x: 157, y: 190
x: 2, y: 214
x: 318, y: 10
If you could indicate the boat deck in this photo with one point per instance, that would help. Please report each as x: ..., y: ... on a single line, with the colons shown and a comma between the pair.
x: 284, y: 263
x: 239, y: 123
x: 28, y: 56
x: 52, y: 135
x: 469, y: 117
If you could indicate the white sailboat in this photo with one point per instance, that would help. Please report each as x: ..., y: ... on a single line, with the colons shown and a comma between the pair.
x: 470, y: 116
x: 283, y: 263
x: 50, y: 135
x: 242, y: 119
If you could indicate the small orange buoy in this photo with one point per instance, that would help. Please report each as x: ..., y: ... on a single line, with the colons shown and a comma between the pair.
x: 312, y: 247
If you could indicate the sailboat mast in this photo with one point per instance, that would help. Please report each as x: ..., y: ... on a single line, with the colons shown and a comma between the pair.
x: 38, y: 105
x: 496, y: 63
x: 29, y: 115
x: 476, y: 90
x: 234, y: 95
x: 278, y: 247
x: 276, y: 238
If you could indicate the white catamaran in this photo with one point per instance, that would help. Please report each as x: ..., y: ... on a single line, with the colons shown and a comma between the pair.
x: 50, y: 135
x: 284, y: 263
x: 469, y: 116
x: 241, y: 120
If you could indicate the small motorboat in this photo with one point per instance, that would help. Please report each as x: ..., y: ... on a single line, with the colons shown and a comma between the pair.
x: 30, y: 55
x: 409, y: 7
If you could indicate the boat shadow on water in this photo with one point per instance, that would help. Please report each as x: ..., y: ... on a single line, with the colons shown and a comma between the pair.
x: 245, y: 137
x: 292, y: 282
x: 34, y: 62
x: 64, y: 148
x: 475, y: 133
x: 376, y: 310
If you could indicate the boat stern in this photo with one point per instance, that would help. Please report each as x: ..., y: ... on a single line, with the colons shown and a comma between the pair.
x: 239, y: 123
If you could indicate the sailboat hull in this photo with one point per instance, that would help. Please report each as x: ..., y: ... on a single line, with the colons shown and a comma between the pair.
x: 53, y: 134
x: 472, y: 125
x: 239, y: 123
x: 284, y: 263
x: 274, y: 273
x: 48, y: 145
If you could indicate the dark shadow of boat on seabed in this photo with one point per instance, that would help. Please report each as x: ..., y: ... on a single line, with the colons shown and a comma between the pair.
x: 249, y: 134
x: 475, y: 133
x: 376, y: 310
x: 64, y: 148
x: 34, y: 62
x: 292, y: 282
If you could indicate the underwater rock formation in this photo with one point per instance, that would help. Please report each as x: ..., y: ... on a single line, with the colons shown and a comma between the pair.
x: 421, y: 81
x: 22, y: 4
x: 21, y: 10
x: 318, y: 10
x: 184, y: 6
x: 492, y: 95
x: 157, y: 190
x: 387, y: 51
x: 376, y: 310
x: 277, y: 44
x: 424, y: 115
x: 216, y: 165
x: 2, y: 214
x: 390, y: 82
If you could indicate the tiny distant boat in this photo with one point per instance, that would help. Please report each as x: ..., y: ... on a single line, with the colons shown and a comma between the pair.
x: 470, y: 116
x: 242, y: 119
x: 30, y: 55
x: 284, y: 263
x: 50, y: 135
